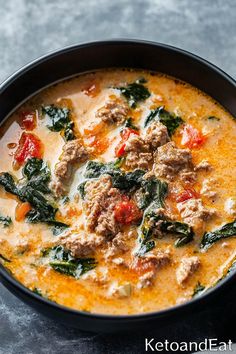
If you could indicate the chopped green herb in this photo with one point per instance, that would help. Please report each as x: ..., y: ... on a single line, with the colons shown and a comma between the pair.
x: 209, y: 238
x: 171, y: 121
x: 59, y: 119
x: 134, y: 93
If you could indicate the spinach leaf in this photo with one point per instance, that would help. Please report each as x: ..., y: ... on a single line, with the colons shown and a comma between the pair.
x: 209, y: 238
x: 118, y: 163
x: 37, y: 174
x: 127, y: 181
x: 63, y: 262
x: 152, y: 194
x: 95, y: 169
x: 145, y: 247
x: 151, y: 197
x: 32, y: 190
x: 198, y: 290
x: 43, y: 210
x: 8, y: 183
x: 171, y: 121
x: 166, y: 226
x: 184, y: 231
x: 129, y: 124
x: 33, y: 167
x: 134, y: 93
x: 59, y: 120
x: 5, y: 220
x: 81, y: 189
x: 120, y: 180
x: 58, y: 228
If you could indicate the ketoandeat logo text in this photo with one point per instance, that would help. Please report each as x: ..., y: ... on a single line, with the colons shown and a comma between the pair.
x: 211, y: 344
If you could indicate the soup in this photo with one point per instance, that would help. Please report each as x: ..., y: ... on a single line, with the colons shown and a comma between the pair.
x: 117, y: 192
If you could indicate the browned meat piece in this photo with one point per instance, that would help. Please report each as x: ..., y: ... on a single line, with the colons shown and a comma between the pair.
x: 204, y: 165
x: 171, y: 161
x: 139, y: 149
x: 187, y: 267
x: 113, y: 112
x: 101, y: 199
x: 81, y: 244
x: 156, y: 135
x: 138, y: 154
x: 73, y: 152
x: 208, y: 187
x: 194, y: 213
x: 116, y: 246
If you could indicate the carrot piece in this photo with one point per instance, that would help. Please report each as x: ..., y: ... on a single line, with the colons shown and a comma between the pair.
x: 21, y: 210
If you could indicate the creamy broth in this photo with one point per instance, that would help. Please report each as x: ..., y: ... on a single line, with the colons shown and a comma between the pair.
x: 120, y: 278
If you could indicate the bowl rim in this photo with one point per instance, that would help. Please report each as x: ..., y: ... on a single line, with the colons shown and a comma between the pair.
x: 6, y: 275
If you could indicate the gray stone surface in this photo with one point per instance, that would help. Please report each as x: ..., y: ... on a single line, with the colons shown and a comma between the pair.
x: 30, y: 28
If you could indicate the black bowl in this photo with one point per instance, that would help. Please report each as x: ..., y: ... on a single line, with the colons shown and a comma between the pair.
x: 116, y: 53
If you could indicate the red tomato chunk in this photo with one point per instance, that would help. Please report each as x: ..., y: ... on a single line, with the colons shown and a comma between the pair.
x: 186, y: 195
x: 28, y: 120
x: 192, y: 137
x: 127, y: 212
x: 29, y: 146
x: 125, y: 134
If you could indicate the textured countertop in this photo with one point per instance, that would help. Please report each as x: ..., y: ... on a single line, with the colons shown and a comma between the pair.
x: 29, y: 29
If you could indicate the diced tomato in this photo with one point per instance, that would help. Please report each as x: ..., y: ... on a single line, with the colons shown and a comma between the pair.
x: 29, y: 146
x: 186, y: 195
x: 120, y: 149
x: 125, y: 134
x: 127, y: 212
x: 192, y: 137
x: 27, y: 120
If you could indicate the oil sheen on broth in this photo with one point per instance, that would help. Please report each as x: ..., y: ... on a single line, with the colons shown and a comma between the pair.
x: 117, y: 192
